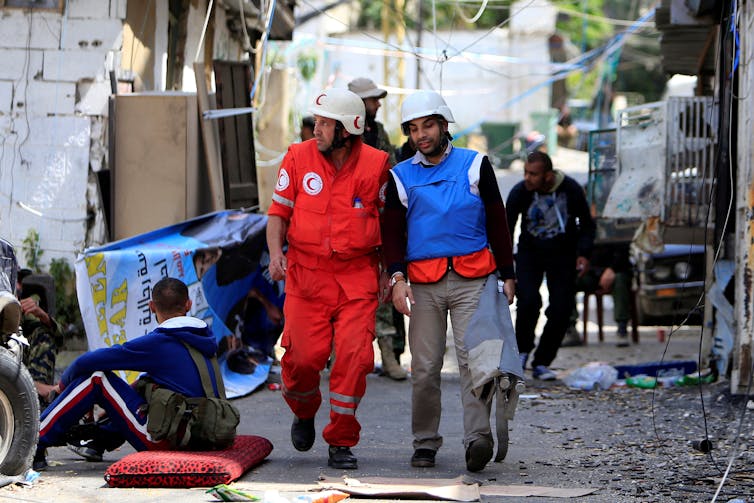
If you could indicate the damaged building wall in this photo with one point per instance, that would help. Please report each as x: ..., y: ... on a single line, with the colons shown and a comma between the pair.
x: 744, y: 235
x: 54, y: 92
x: 53, y: 96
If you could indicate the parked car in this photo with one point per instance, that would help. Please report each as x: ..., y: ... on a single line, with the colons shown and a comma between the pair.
x: 670, y: 284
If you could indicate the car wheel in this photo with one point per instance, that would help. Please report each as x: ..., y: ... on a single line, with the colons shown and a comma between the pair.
x: 19, y: 415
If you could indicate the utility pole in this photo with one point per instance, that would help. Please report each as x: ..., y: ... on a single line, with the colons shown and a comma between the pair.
x: 419, y: 31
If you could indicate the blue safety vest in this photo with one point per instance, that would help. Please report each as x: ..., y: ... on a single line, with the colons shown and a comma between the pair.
x: 445, y: 215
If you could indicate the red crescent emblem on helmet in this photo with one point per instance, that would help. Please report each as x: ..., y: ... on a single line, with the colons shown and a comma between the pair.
x: 356, y: 122
x: 319, y: 98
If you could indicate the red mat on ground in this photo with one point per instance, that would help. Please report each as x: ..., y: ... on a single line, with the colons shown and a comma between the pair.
x: 188, y: 468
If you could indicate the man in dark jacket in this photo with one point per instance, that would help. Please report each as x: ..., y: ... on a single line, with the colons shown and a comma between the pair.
x: 557, y: 235
x: 161, y: 354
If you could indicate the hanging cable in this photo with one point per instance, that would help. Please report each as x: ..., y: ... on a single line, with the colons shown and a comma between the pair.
x: 204, y: 30
x: 246, y: 39
x: 263, y: 44
x: 476, y: 16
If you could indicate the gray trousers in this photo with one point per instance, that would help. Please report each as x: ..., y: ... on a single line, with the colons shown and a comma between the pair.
x: 427, y: 335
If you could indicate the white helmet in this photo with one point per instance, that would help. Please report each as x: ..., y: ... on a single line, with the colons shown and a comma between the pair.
x: 424, y: 104
x: 341, y: 105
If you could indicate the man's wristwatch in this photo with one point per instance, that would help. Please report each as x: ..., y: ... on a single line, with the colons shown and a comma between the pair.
x: 396, y: 277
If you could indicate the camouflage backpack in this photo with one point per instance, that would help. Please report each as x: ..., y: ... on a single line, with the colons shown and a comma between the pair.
x: 196, y: 423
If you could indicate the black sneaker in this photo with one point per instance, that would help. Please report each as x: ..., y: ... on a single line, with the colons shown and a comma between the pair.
x: 423, y: 458
x: 478, y: 454
x: 39, y: 463
x: 302, y: 433
x: 341, y: 458
x: 88, y: 449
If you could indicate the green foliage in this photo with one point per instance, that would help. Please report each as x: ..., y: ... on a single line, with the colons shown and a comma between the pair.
x: 446, y: 15
x: 370, y: 14
x: 32, y: 252
x: 66, y: 301
x: 275, y: 56
x: 462, y: 142
x: 583, y: 85
x: 586, y: 34
x: 307, y: 64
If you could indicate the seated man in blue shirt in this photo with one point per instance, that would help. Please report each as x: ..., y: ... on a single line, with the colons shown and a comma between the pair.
x: 160, y: 354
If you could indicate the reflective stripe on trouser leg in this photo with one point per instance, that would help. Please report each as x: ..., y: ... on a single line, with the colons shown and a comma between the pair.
x: 354, y: 360
x: 108, y: 391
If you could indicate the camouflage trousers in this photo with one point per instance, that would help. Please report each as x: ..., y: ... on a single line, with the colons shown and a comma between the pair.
x: 390, y: 323
x: 39, y: 358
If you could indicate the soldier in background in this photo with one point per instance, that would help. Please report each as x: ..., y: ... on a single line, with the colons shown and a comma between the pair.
x: 391, y: 328
x: 45, y: 336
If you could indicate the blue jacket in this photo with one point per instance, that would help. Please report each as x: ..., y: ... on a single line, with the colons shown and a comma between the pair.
x: 160, y: 354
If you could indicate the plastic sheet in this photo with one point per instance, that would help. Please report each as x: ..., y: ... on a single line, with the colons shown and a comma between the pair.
x: 591, y: 376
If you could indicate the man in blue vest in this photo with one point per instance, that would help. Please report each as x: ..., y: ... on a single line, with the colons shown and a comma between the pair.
x: 445, y: 233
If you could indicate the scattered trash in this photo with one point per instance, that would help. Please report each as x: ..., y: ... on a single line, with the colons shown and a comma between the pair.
x: 224, y: 492
x: 641, y: 381
x: 657, y: 369
x: 6, y: 480
x: 273, y: 496
x: 329, y: 496
x: 591, y: 376
x: 702, y: 445
x: 227, y: 493
x: 30, y: 477
x: 26, y: 479
x: 649, y: 382
x: 695, y: 378
x: 670, y: 379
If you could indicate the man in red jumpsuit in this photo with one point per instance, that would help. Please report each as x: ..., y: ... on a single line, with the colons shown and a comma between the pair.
x: 326, y: 205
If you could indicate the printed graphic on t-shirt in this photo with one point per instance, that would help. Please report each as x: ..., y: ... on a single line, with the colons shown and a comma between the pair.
x: 547, y: 215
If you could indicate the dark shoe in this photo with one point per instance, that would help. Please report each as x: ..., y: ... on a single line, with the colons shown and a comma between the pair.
x: 302, y: 433
x: 622, y: 328
x: 572, y: 338
x: 478, y: 454
x: 88, y: 449
x: 543, y: 373
x: 39, y: 463
x: 622, y: 334
x: 341, y: 458
x: 423, y: 458
x: 523, y: 357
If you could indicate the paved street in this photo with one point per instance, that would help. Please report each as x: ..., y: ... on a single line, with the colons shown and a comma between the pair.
x: 560, y: 438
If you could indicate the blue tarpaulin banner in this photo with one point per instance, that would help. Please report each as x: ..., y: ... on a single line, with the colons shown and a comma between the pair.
x: 222, y: 258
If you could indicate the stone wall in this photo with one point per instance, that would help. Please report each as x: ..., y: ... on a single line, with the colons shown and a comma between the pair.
x: 54, y: 88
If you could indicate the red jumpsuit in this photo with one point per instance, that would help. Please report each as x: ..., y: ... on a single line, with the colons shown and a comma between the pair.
x: 332, y: 278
